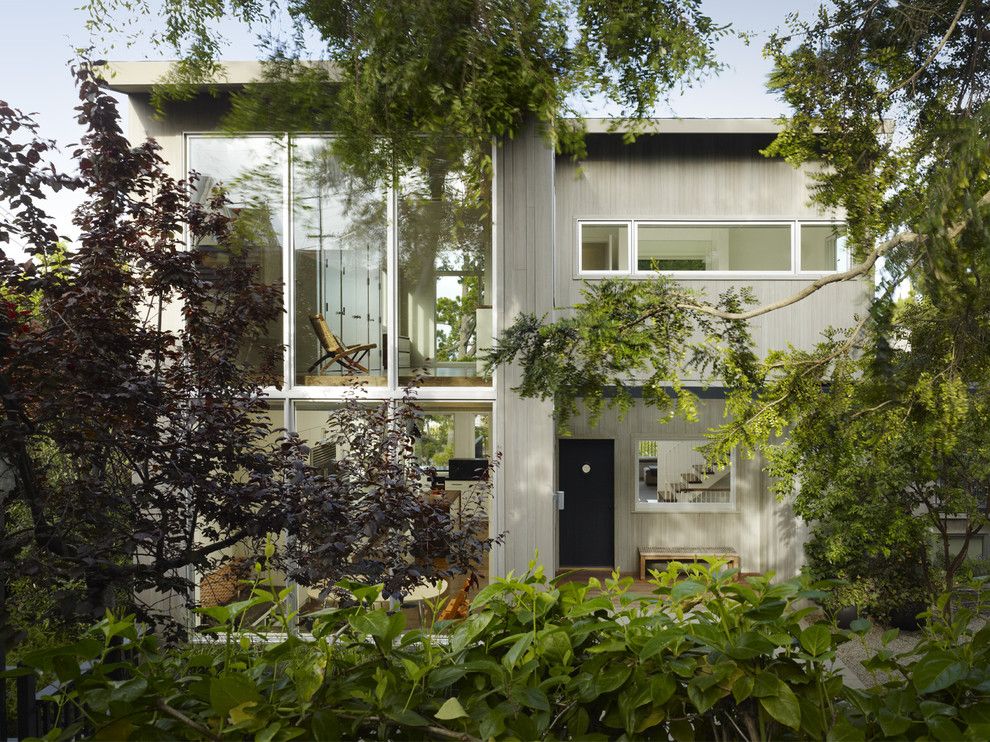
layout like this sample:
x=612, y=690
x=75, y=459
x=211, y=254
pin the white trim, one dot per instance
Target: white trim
x=633, y=271
x=837, y=224
x=641, y=508
x=581, y=223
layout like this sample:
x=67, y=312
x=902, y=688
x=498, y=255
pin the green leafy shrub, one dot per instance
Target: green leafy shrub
x=705, y=656
x=940, y=689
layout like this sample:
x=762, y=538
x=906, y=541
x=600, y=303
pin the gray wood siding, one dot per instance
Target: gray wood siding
x=764, y=532
x=699, y=177
x=524, y=427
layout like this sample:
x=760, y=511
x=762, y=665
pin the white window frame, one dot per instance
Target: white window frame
x=582, y=223
x=635, y=272
x=680, y=507
x=819, y=223
x=290, y=391
x=702, y=275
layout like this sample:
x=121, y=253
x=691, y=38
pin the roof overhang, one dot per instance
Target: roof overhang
x=684, y=126
x=142, y=77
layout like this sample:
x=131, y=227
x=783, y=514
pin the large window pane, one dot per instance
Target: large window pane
x=823, y=248
x=339, y=232
x=737, y=247
x=226, y=580
x=604, y=247
x=674, y=473
x=445, y=280
x=250, y=172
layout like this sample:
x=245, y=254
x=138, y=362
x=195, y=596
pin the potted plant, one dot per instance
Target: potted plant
x=849, y=601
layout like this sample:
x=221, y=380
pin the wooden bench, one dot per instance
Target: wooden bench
x=685, y=554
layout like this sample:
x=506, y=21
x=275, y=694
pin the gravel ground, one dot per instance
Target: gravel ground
x=852, y=653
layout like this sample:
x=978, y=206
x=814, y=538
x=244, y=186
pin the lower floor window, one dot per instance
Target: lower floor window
x=672, y=474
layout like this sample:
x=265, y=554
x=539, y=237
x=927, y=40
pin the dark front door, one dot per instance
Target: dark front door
x=586, y=473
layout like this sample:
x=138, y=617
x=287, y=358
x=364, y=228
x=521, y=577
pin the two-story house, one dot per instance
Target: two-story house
x=400, y=271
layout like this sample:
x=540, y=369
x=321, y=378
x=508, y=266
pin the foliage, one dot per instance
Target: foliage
x=372, y=518
x=408, y=80
x=627, y=334
x=706, y=656
x=141, y=447
x=937, y=690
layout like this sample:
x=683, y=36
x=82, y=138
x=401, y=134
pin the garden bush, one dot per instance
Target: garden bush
x=706, y=656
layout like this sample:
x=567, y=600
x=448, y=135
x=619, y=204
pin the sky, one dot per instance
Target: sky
x=39, y=37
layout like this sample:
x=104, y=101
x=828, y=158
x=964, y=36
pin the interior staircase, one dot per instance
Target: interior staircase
x=700, y=484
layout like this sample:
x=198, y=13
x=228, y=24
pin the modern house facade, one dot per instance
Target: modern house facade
x=399, y=272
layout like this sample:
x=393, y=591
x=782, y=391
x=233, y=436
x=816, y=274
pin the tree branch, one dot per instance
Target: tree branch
x=202, y=729
x=930, y=58
x=855, y=272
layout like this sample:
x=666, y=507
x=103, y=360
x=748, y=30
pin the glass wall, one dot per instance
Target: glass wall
x=445, y=280
x=340, y=240
x=416, y=253
x=250, y=172
x=674, y=473
x=823, y=248
x=226, y=581
x=700, y=247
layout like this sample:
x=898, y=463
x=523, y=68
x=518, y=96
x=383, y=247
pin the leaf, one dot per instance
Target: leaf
x=530, y=697
x=228, y=691
x=406, y=717
x=129, y=690
x=241, y=712
x=816, y=639
x=783, y=707
x=892, y=723
x=451, y=709
x=942, y=728
x=516, y=651
x=750, y=644
x=444, y=676
x=937, y=671
x=742, y=688
x=686, y=589
x=860, y=626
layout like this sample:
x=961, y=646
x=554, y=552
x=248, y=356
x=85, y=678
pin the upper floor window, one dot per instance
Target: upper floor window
x=824, y=248
x=762, y=248
x=392, y=282
x=250, y=172
x=604, y=247
x=774, y=249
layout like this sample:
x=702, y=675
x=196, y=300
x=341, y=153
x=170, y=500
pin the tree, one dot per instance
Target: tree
x=140, y=449
x=411, y=79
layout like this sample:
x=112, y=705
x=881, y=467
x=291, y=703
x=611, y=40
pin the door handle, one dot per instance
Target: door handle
x=558, y=498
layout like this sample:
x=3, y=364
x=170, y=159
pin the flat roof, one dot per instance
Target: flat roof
x=685, y=126
x=141, y=77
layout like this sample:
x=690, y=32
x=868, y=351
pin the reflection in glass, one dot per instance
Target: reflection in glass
x=250, y=173
x=675, y=472
x=339, y=232
x=445, y=280
x=604, y=247
x=736, y=247
x=823, y=248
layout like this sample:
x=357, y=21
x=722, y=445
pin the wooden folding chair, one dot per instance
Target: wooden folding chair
x=349, y=357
